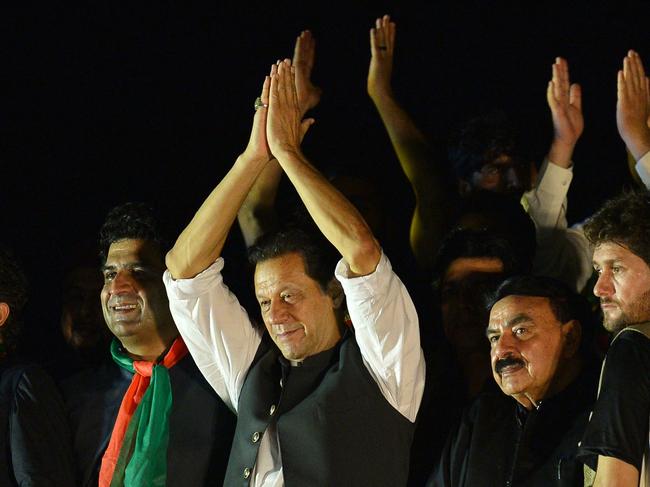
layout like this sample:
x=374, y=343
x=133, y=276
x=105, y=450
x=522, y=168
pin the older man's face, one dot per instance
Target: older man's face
x=527, y=343
x=623, y=286
x=297, y=313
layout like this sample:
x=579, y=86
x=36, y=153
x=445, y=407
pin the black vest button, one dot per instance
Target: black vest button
x=272, y=410
x=256, y=437
x=247, y=472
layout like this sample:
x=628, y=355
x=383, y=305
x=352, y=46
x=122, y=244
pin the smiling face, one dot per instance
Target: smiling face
x=298, y=314
x=133, y=298
x=623, y=286
x=527, y=346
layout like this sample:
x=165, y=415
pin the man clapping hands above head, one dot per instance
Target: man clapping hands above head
x=309, y=400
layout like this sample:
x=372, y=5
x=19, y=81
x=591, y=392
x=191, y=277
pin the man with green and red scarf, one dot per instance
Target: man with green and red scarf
x=134, y=419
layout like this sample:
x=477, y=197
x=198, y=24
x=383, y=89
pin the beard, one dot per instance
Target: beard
x=632, y=314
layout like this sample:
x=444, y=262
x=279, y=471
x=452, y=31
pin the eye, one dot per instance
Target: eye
x=519, y=332
x=617, y=269
x=265, y=304
x=109, y=276
x=598, y=270
x=493, y=339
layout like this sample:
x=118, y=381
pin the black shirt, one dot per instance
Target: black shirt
x=499, y=443
x=619, y=425
x=34, y=435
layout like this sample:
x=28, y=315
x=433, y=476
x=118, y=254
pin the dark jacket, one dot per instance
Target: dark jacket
x=200, y=425
x=499, y=443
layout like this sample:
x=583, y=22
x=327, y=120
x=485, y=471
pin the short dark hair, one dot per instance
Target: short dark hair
x=318, y=255
x=481, y=140
x=131, y=220
x=468, y=243
x=565, y=303
x=502, y=215
x=13, y=292
x=624, y=220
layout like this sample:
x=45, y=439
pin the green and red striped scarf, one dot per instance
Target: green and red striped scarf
x=137, y=451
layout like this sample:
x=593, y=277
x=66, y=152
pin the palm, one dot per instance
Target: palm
x=382, y=41
x=303, y=60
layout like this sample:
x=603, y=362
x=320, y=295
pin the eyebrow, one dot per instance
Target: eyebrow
x=130, y=265
x=520, y=318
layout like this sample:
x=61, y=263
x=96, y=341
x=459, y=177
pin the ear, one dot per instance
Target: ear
x=335, y=291
x=572, y=332
x=4, y=313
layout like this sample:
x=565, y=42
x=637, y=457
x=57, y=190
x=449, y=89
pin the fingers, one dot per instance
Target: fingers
x=265, y=90
x=304, y=51
x=304, y=127
x=632, y=82
x=560, y=80
x=382, y=36
x=575, y=96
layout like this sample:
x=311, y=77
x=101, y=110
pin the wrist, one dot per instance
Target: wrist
x=284, y=152
x=251, y=159
x=379, y=92
x=637, y=143
x=561, y=152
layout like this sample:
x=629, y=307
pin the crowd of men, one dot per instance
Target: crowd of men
x=350, y=375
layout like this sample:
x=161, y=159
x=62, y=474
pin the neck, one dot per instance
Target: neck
x=563, y=378
x=149, y=352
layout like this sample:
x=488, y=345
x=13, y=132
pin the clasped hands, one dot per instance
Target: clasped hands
x=278, y=127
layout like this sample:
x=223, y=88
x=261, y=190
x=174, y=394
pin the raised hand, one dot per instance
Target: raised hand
x=285, y=128
x=633, y=106
x=303, y=62
x=382, y=42
x=565, y=101
x=258, y=148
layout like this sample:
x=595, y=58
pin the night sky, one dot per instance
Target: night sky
x=152, y=101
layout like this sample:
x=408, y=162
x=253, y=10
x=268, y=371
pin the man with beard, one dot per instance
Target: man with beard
x=527, y=433
x=615, y=444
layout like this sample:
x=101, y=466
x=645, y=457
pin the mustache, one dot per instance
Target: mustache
x=608, y=301
x=506, y=362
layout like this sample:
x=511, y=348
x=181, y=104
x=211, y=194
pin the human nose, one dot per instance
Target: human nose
x=278, y=312
x=504, y=346
x=121, y=283
x=604, y=286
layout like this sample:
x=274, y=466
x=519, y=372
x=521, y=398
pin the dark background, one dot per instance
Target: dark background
x=111, y=101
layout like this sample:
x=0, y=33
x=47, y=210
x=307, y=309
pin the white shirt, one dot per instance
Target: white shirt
x=219, y=335
x=563, y=252
x=643, y=169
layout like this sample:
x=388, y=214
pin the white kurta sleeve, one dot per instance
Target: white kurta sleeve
x=216, y=329
x=387, y=332
x=643, y=169
x=562, y=252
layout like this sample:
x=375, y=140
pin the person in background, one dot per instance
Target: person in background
x=34, y=434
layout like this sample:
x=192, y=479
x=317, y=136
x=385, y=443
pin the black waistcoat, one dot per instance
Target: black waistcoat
x=334, y=425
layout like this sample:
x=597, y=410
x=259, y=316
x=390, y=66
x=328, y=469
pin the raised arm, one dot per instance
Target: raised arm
x=257, y=215
x=410, y=145
x=335, y=216
x=201, y=242
x=633, y=106
x=562, y=252
x=565, y=101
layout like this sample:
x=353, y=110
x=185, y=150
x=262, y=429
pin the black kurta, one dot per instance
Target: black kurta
x=499, y=443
